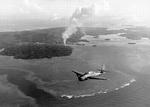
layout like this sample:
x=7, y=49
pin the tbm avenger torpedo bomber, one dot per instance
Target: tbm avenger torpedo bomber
x=91, y=74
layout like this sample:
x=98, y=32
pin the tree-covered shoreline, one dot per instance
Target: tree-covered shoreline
x=36, y=51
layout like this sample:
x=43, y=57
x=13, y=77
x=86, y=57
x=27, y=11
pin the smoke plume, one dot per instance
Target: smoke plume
x=76, y=21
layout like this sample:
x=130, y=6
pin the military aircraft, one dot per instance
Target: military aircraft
x=91, y=74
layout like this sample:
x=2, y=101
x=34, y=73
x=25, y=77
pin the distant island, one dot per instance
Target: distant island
x=36, y=51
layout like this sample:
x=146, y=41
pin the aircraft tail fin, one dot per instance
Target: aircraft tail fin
x=102, y=69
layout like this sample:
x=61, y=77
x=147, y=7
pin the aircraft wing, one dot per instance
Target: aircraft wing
x=98, y=78
x=77, y=72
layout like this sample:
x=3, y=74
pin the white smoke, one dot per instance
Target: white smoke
x=76, y=21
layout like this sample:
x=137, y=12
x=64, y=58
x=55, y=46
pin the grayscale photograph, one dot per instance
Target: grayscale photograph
x=74, y=53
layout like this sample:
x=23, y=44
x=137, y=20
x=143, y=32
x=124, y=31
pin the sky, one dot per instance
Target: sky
x=54, y=12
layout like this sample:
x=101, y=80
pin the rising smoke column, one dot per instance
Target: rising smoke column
x=77, y=20
x=71, y=29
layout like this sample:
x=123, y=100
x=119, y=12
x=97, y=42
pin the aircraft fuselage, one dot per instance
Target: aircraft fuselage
x=89, y=74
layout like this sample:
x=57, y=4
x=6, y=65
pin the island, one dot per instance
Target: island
x=36, y=51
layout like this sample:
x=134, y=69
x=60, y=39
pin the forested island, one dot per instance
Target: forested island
x=36, y=51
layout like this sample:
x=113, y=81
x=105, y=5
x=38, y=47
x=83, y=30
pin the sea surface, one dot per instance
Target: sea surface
x=50, y=82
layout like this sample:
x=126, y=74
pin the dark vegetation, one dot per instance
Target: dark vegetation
x=36, y=51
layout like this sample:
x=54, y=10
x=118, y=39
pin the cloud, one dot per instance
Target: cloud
x=33, y=5
x=89, y=12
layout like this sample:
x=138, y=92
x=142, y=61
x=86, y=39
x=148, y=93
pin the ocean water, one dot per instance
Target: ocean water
x=50, y=82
